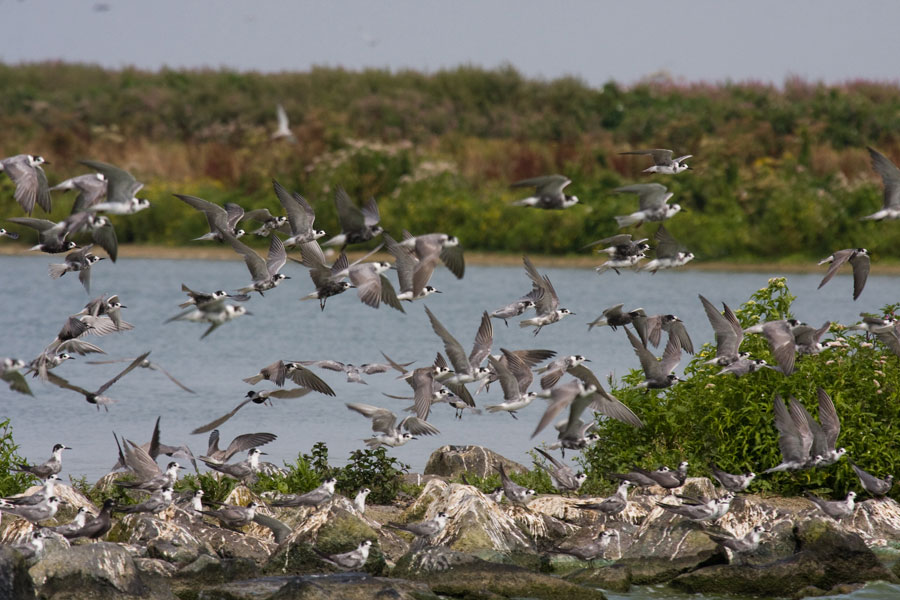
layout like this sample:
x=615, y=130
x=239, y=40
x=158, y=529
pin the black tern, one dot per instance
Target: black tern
x=468, y=368
x=31, y=181
x=890, y=177
x=222, y=220
x=121, y=188
x=548, y=192
x=732, y=483
x=269, y=222
x=200, y=299
x=636, y=478
x=744, y=366
x=650, y=328
x=354, y=372
x=372, y=287
x=555, y=370
x=514, y=492
x=729, y=333
x=233, y=517
x=91, y=189
x=148, y=476
x=33, y=513
x=264, y=272
x=657, y=373
x=347, y=561
x=388, y=431
x=612, y=505
x=238, y=444
x=513, y=309
x=105, y=307
x=807, y=339
x=836, y=509
x=244, y=471
x=589, y=551
x=424, y=529
x=52, y=466
x=698, y=511
x=530, y=358
x=357, y=225
x=446, y=247
x=669, y=252
x=826, y=432
x=515, y=378
x=652, y=201
x=300, y=217
x=748, y=543
x=546, y=302
x=666, y=477
x=281, y=370
x=74, y=525
x=214, y=312
x=97, y=398
x=96, y=527
x=155, y=447
x=51, y=236
x=47, y=490
x=145, y=364
x=795, y=438
x=10, y=372
x=327, y=280
x=858, y=259
x=256, y=398
x=412, y=274
x=780, y=336
x=615, y=317
x=875, y=486
x=283, y=132
x=316, y=497
x=80, y=261
x=101, y=229
x=33, y=546
x=359, y=501
x=158, y=501
x=565, y=478
x=663, y=163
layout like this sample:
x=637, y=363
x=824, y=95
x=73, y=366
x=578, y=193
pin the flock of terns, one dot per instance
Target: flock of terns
x=805, y=443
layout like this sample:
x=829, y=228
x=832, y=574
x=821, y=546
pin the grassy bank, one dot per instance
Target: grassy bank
x=778, y=171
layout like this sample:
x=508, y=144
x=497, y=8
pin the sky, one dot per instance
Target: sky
x=597, y=41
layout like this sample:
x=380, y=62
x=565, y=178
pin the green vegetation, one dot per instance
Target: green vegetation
x=729, y=420
x=439, y=151
x=11, y=482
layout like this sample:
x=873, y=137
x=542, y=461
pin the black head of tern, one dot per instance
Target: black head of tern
x=425, y=529
x=836, y=509
x=31, y=181
x=52, y=466
x=348, y=561
x=732, y=483
x=388, y=431
x=97, y=398
x=663, y=163
x=234, y=517
x=357, y=225
x=241, y=443
x=244, y=471
x=546, y=302
x=858, y=259
x=51, y=236
x=653, y=198
x=657, y=373
x=890, y=177
x=221, y=220
x=91, y=189
x=300, y=217
x=283, y=132
x=315, y=497
x=10, y=234
x=121, y=188
x=264, y=272
x=359, y=501
x=327, y=280
x=446, y=247
x=279, y=371
x=875, y=486
x=612, y=505
x=548, y=192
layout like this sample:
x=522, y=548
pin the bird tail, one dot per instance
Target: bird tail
x=626, y=220
x=57, y=270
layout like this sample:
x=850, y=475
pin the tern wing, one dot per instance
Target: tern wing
x=890, y=176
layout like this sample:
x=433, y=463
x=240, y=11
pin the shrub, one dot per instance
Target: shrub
x=729, y=420
x=11, y=482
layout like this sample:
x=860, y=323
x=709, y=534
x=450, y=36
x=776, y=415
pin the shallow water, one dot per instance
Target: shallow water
x=873, y=591
x=284, y=328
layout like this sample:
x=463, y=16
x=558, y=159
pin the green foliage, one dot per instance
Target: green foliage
x=215, y=486
x=11, y=482
x=729, y=420
x=373, y=469
x=439, y=151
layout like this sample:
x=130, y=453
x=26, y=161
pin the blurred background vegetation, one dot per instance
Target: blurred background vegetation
x=439, y=151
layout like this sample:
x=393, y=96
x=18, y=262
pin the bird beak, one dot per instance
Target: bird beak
x=287, y=277
x=587, y=360
x=249, y=313
x=266, y=453
x=46, y=162
x=438, y=292
x=67, y=448
x=122, y=306
x=180, y=467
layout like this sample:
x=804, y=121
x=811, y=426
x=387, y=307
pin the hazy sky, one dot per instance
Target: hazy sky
x=711, y=40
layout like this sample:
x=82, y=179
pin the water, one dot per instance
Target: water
x=284, y=328
x=874, y=591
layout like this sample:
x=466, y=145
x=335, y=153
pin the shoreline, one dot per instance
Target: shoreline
x=210, y=252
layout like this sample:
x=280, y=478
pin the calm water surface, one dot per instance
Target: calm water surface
x=282, y=327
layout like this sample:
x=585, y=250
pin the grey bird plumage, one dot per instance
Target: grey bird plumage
x=96, y=397
x=424, y=529
x=255, y=397
x=663, y=163
x=657, y=373
x=546, y=300
x=858, y=259
x=121, y=187
x=33, y=513
x=748, y=543
x=836, y=509
x=158, y=501
x=233, y=517
x=652, y=199
x=244, y=471
x=890, y=177
x=296, y=371
x=387, y=430
x=548, y=193
x=732, y=483
x=614, y=504
x=316, y=497
x=566, y=479
x=238, y=444
x=623, y=251
x=31, y=182
x=222, y=220
x=348, y=561
x=357, y=225
x=51, y=466
x=670, y=253
x=514, y=492
x=875, y=486
x=97, y=526
x=650, y=329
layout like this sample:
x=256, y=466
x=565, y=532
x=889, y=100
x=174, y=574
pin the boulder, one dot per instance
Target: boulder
x=827, y=556
x=457, y=574
x=341, y=586
x=164, y=538
x=15, y=582
x=451, y=461
x=102, y=570
x=614, y=578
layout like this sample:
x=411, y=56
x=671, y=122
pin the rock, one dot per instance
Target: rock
x=156, y=574
x=450, y=461
x=827, y=556
x=615, y=578
x=876, y=521
x=341, y=586
x=456, y=574
x=164, y=539
x=15, y=582
x=102, y=570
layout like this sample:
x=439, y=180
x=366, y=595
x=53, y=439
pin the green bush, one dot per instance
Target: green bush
x=729, y=420
x=11, y=482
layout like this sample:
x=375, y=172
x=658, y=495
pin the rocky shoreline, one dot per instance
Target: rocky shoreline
x=487, y=550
